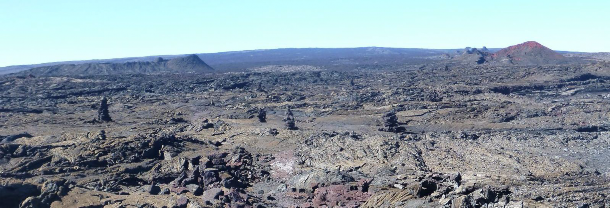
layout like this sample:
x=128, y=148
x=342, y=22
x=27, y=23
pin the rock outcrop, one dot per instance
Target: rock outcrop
x=473, y=56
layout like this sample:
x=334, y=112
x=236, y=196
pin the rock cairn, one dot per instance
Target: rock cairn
x=262, y=115
x=102, y=112
x=289, y=120
x=390, y=122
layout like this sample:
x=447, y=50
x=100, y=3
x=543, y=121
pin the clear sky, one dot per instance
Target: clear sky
x=37, y=31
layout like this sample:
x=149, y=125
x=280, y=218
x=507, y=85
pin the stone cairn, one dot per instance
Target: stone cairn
x=102, y=112
x=289, y=120
x=390, y=122
x=262, y=115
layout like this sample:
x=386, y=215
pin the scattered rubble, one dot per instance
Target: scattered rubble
x=378, y=131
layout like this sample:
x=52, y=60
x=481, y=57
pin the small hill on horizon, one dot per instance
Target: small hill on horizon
x=190, y=63
x=528, y=53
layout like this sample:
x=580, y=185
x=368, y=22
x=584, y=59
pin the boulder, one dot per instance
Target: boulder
x=212, y=195
x=195, y=189
x=181, y=202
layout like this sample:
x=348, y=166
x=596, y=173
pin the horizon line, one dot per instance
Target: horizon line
x=251, y=50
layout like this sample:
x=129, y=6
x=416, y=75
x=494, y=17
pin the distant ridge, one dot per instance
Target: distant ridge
x=190, y=63
x=243, y=60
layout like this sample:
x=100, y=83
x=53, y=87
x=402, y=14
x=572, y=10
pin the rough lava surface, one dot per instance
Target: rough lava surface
x=374, y=128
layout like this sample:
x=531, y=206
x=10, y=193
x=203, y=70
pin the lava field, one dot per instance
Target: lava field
x=372, y=127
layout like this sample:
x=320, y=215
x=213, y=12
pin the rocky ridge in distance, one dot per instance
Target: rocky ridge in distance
x=187, y=64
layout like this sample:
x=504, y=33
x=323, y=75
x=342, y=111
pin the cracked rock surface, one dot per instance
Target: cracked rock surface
x=431, y=134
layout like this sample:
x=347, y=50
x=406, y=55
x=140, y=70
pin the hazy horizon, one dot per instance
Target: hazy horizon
x=70, y=31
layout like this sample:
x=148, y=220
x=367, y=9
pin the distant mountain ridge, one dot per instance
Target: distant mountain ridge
x=190, y=63
x=243, y=60
x=252, y=58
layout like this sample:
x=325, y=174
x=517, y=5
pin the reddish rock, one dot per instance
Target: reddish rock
x=340, y=196
x=530, y=52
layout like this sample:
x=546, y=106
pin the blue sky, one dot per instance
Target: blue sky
x=36, y=31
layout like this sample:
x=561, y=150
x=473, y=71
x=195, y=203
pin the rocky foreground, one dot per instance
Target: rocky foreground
x=435, y=135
